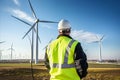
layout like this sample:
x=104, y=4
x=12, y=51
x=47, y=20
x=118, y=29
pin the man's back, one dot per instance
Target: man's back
x=61, y=58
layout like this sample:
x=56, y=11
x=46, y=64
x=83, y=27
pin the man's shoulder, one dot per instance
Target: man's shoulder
x=76, y=41
x=53, y=41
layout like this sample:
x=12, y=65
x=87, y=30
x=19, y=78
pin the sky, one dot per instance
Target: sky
x=90, y=20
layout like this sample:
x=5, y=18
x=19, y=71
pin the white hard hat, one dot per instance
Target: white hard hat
x=64, y=24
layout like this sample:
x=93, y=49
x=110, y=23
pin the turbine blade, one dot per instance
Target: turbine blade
x=94, y=41
x=47, y=44
x=39, y=39
x=21, y=20
x=29, y=40
x=29, y=30
x=2, y=42
x=34, y=15
x=47, y=21
x=45, y=47
x=50, y=41
x=97, y=36
x=102, y=37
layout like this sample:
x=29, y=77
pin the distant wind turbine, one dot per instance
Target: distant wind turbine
x=100, y=45
x=1, y=50
x=11, y=50
x=1, y=54
x=35, y=24
x=31, y=49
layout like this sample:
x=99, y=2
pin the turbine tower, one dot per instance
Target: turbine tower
x=34, y=27
x=100, y=43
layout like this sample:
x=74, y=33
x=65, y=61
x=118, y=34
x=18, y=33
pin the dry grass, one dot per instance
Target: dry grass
x=23, y=72
x=103, y=74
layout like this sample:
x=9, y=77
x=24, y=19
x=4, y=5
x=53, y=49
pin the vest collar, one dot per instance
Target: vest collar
x=64, y=35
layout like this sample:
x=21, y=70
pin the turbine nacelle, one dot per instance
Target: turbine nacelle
x=37, y=20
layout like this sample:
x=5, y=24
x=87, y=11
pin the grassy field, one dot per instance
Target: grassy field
x=22, y=71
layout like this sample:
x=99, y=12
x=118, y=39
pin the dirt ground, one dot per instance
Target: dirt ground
x=23, y=73
x=41, y=73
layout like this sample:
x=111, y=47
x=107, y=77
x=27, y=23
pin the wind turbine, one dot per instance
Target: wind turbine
x=32, y=42
x=11, y=49
x=100, y=45
x=35, y=25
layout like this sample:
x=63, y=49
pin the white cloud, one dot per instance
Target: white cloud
x=46, y=26
x=23, y=15
x=16, y=2
x=88, y=37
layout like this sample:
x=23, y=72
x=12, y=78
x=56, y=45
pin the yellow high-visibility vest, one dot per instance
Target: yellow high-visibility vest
x=60, y=53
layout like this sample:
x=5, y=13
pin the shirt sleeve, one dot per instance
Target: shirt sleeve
x=46, y=61
x=81, y=56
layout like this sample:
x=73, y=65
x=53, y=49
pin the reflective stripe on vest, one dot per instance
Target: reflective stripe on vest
x=65, y=64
